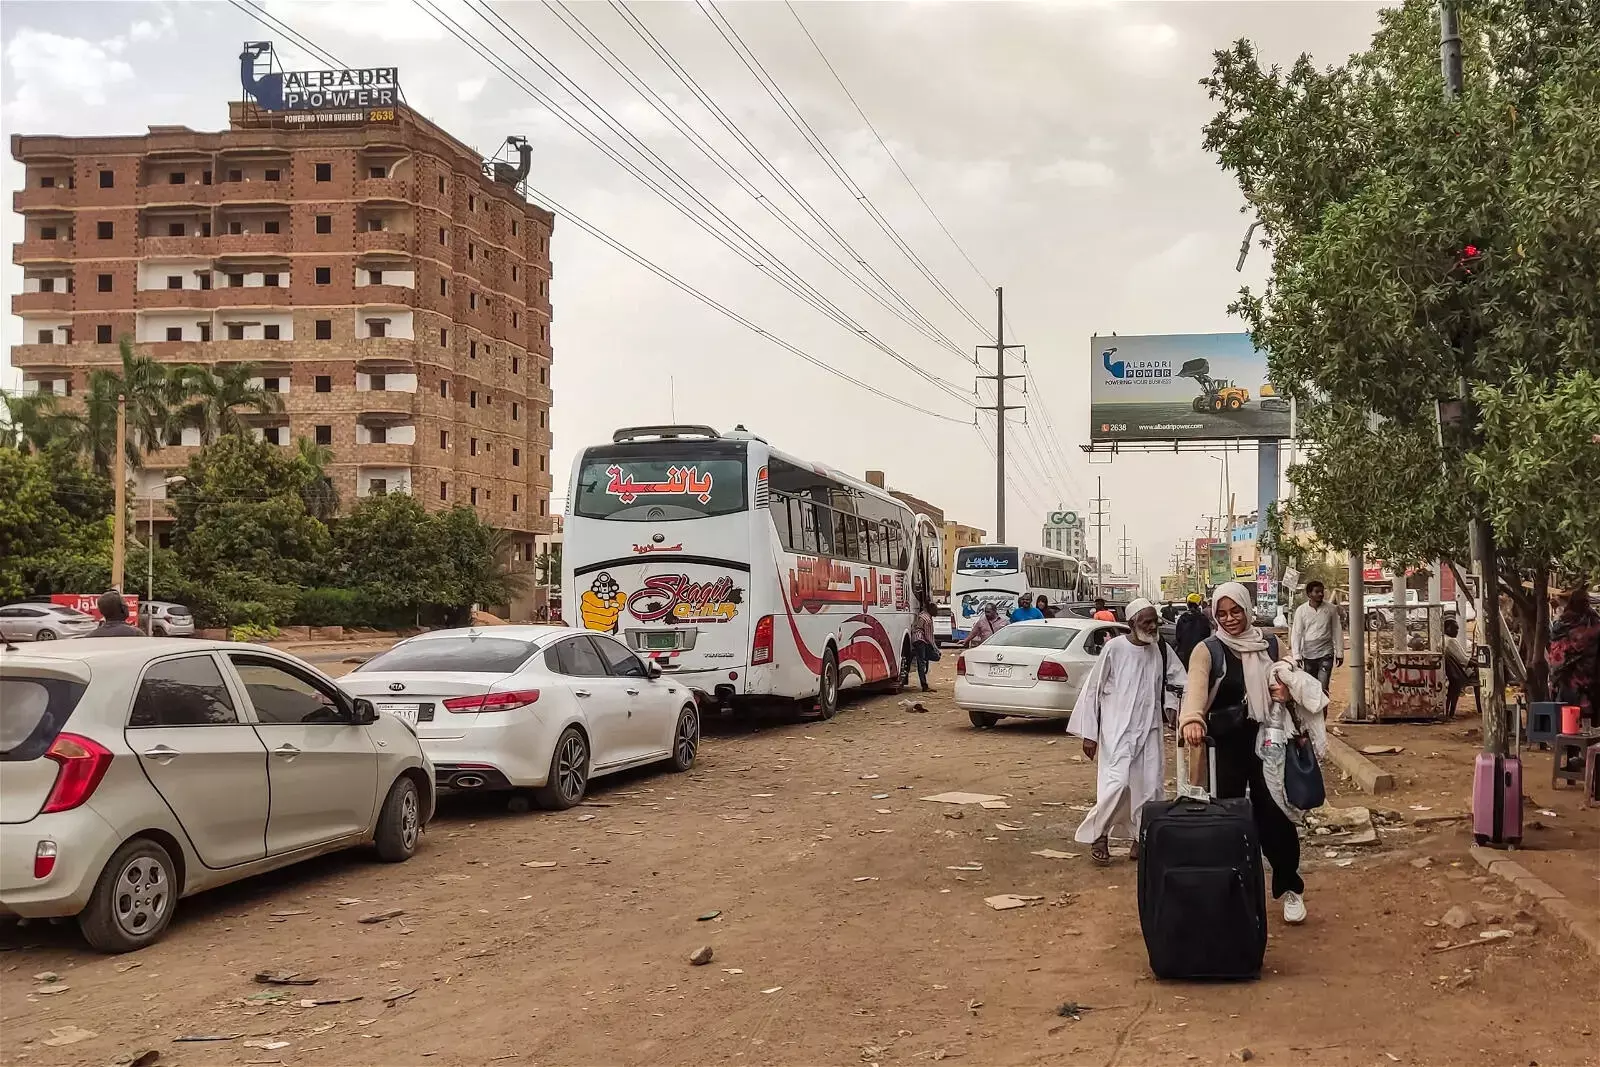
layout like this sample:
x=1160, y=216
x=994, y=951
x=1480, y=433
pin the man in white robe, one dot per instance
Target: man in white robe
x=1119, y=717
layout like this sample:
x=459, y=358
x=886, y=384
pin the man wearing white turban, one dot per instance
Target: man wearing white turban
x=1119, y=715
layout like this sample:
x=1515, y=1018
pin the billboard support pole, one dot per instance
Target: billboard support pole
x=1266, y=499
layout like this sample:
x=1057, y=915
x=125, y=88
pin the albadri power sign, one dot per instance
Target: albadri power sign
x=315, y=90
x=1182, y=387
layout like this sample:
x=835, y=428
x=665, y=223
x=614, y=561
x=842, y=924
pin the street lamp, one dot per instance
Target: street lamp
x=150, y=553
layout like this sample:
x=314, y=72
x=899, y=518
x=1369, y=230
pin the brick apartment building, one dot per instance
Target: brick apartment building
x=395, y=296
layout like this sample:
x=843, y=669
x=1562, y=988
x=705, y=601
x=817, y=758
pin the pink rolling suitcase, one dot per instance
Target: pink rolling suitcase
x=1497, y=794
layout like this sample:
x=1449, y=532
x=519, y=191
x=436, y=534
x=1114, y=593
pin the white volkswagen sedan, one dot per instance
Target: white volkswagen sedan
x=1030, y=670
x=540, y=708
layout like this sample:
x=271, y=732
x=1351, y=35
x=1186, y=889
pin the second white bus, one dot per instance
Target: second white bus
x=999, y=574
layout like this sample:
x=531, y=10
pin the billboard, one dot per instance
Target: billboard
x=1219, y=564
x=1182, y=387
x=366, y=95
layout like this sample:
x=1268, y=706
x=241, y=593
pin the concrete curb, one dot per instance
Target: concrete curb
x=1366, y=774
x=1548, y=897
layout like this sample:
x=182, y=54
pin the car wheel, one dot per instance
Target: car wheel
x=828, y=687
x=134, y=899
x=158, y=631
x=982, y=719
x=686, y=739
x=569, y=772
x=45, y=635
x=400, y=822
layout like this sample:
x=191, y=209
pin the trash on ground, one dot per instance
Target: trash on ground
x=732, y=970
x=868, y=777
x=701, y=956
x=381, y=916
x=880, y=796
x=398, y=994
x=1422, y=863
x=198, y=1038
x=47, y=976
x=345, y=902
x=51, y=989
x=1007, y=901
x=68, y=1035
x=320, y=1002
x=265, y=1043
x=1458, y=918
x=966, y=867
x=1052, y=854
x=283, y=978
x=865, y=878
x=774, y=989
x=959, y=797
x=540, y=865
x=1004, y=826
x=1382, y=750
x=884, y=811
x=708, y=916
x=994, y=804
x=1243, y=1055
x=625, y=833
x=586, y=817
x=1072, y=1010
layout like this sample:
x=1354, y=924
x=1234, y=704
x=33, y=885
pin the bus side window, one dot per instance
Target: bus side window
x=779, y=507
x=811, y=542
x=845, y=536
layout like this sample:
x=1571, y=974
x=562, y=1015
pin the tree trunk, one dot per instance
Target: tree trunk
x=1539, y=638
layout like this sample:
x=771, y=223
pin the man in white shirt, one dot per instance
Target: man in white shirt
x=1315, y=636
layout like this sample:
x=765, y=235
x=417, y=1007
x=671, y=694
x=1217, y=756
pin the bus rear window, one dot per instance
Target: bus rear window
x=656, y=487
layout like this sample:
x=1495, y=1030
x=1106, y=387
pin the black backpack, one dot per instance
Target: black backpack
x=1223, y=721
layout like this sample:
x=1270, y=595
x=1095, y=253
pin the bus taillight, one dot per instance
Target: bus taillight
x=761, y=648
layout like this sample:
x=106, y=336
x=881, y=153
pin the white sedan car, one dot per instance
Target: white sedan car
x=1030, y=670
x=541, y=708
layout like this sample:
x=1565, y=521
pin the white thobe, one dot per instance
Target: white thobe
x=1119, y=709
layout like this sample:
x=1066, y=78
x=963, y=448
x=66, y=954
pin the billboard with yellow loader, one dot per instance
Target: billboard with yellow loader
x=1182, y=387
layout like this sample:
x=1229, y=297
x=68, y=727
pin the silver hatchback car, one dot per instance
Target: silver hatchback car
x=160, y=618
x=137, y=771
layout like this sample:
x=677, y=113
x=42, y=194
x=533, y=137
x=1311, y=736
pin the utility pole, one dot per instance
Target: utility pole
x=999, y=377
x=1122, y=547
x=1481, y=533
x=1099, y=538
x=119, y=478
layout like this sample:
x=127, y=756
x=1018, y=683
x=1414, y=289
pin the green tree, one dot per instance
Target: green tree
x=1372, y=185
x=31, y=522
x=392, y=552
x=220, y=397
x=321, y=495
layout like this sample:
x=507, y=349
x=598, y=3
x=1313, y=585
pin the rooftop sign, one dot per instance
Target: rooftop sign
x=316, y=90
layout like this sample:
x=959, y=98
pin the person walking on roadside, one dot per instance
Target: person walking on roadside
x=1316, y=637
x=1119, y=715
x=1193, y=626
x=1025, y=611
x=985, y=627
x=1103, y=613
x=1230, y=700
x=924, y=646
x=114, y=618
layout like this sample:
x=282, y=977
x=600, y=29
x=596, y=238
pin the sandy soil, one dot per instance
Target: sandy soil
x=842, y=936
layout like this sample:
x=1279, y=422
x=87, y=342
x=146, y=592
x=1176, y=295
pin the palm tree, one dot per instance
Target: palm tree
x=32, y=421
x=221, y=395
x=320, y=494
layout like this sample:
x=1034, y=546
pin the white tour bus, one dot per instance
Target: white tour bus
x=744, y=572
x=998, y=574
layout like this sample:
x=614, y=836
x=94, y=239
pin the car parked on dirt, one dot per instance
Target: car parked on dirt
x=544, y=709
x=43, y=622
x=1030, y=670
x=161, y=618
x=137, y=772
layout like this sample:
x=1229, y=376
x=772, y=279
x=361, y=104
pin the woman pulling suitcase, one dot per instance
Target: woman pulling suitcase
x=1231, y=700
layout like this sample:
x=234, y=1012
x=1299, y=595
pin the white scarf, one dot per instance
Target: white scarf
x=1251, y=648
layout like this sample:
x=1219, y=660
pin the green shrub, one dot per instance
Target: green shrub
x=253, y=633
x=328, y=606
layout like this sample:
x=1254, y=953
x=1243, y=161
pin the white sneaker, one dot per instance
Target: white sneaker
x=1294, y=909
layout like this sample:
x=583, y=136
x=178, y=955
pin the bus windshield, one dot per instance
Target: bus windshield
x=987, y=561
x=661, y=481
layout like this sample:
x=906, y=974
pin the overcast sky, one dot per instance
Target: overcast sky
x=1059, y=143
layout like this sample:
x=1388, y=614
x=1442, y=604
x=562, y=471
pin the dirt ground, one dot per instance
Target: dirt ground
x=841, y=933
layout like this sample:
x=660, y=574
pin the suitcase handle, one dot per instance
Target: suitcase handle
x=1186, y=790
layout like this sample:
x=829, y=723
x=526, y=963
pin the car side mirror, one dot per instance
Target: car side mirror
x=652, y=669
x=366, y=713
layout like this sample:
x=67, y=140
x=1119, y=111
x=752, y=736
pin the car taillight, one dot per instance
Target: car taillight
x=1051, y=671
x=961, y=664
x=761, y=647
x=83, y=763
x=44, y=859
x=519, y=698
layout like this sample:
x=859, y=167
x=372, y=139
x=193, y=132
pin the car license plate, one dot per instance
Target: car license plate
x=408, y=712
x=661, y=642
x=999, y=670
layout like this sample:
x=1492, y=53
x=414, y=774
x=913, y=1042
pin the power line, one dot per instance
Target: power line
x=779, y=97
x=799, y=287
x=551, y=204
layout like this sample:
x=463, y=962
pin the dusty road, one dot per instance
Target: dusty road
x=843, y=935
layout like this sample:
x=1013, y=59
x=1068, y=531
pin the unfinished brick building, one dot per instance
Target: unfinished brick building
x=397, y=297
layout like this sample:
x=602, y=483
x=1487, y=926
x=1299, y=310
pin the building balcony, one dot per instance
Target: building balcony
x=199, y=299
x=384, y=402
x=390, y=242
x=252, y=244
x=380, y=455
x=31, y=357
x=381, y=406
x=381, y=295
x=24, y=303
x=395, y=189
x=251, y=296
x=186, y=195
x=36, y=250
x=55, y=198
x=186, y=246
x=540, y=394
x=262, y=192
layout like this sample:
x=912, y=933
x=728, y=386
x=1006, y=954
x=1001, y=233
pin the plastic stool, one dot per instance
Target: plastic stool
x=1544, y=722
x=1570, y=757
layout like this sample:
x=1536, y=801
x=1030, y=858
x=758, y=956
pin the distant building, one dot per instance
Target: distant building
x=1066, y=531
x=957, y=536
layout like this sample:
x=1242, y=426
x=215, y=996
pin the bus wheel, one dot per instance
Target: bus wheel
x=828, y=691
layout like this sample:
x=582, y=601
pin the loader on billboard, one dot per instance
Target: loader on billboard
x=1182, y=387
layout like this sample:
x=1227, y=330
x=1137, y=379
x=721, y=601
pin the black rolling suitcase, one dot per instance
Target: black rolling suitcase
x=1202, y=897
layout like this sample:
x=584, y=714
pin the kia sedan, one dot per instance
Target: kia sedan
x=138, y=771
x=1030, y=670
x=539, y=708
x=43, y=622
